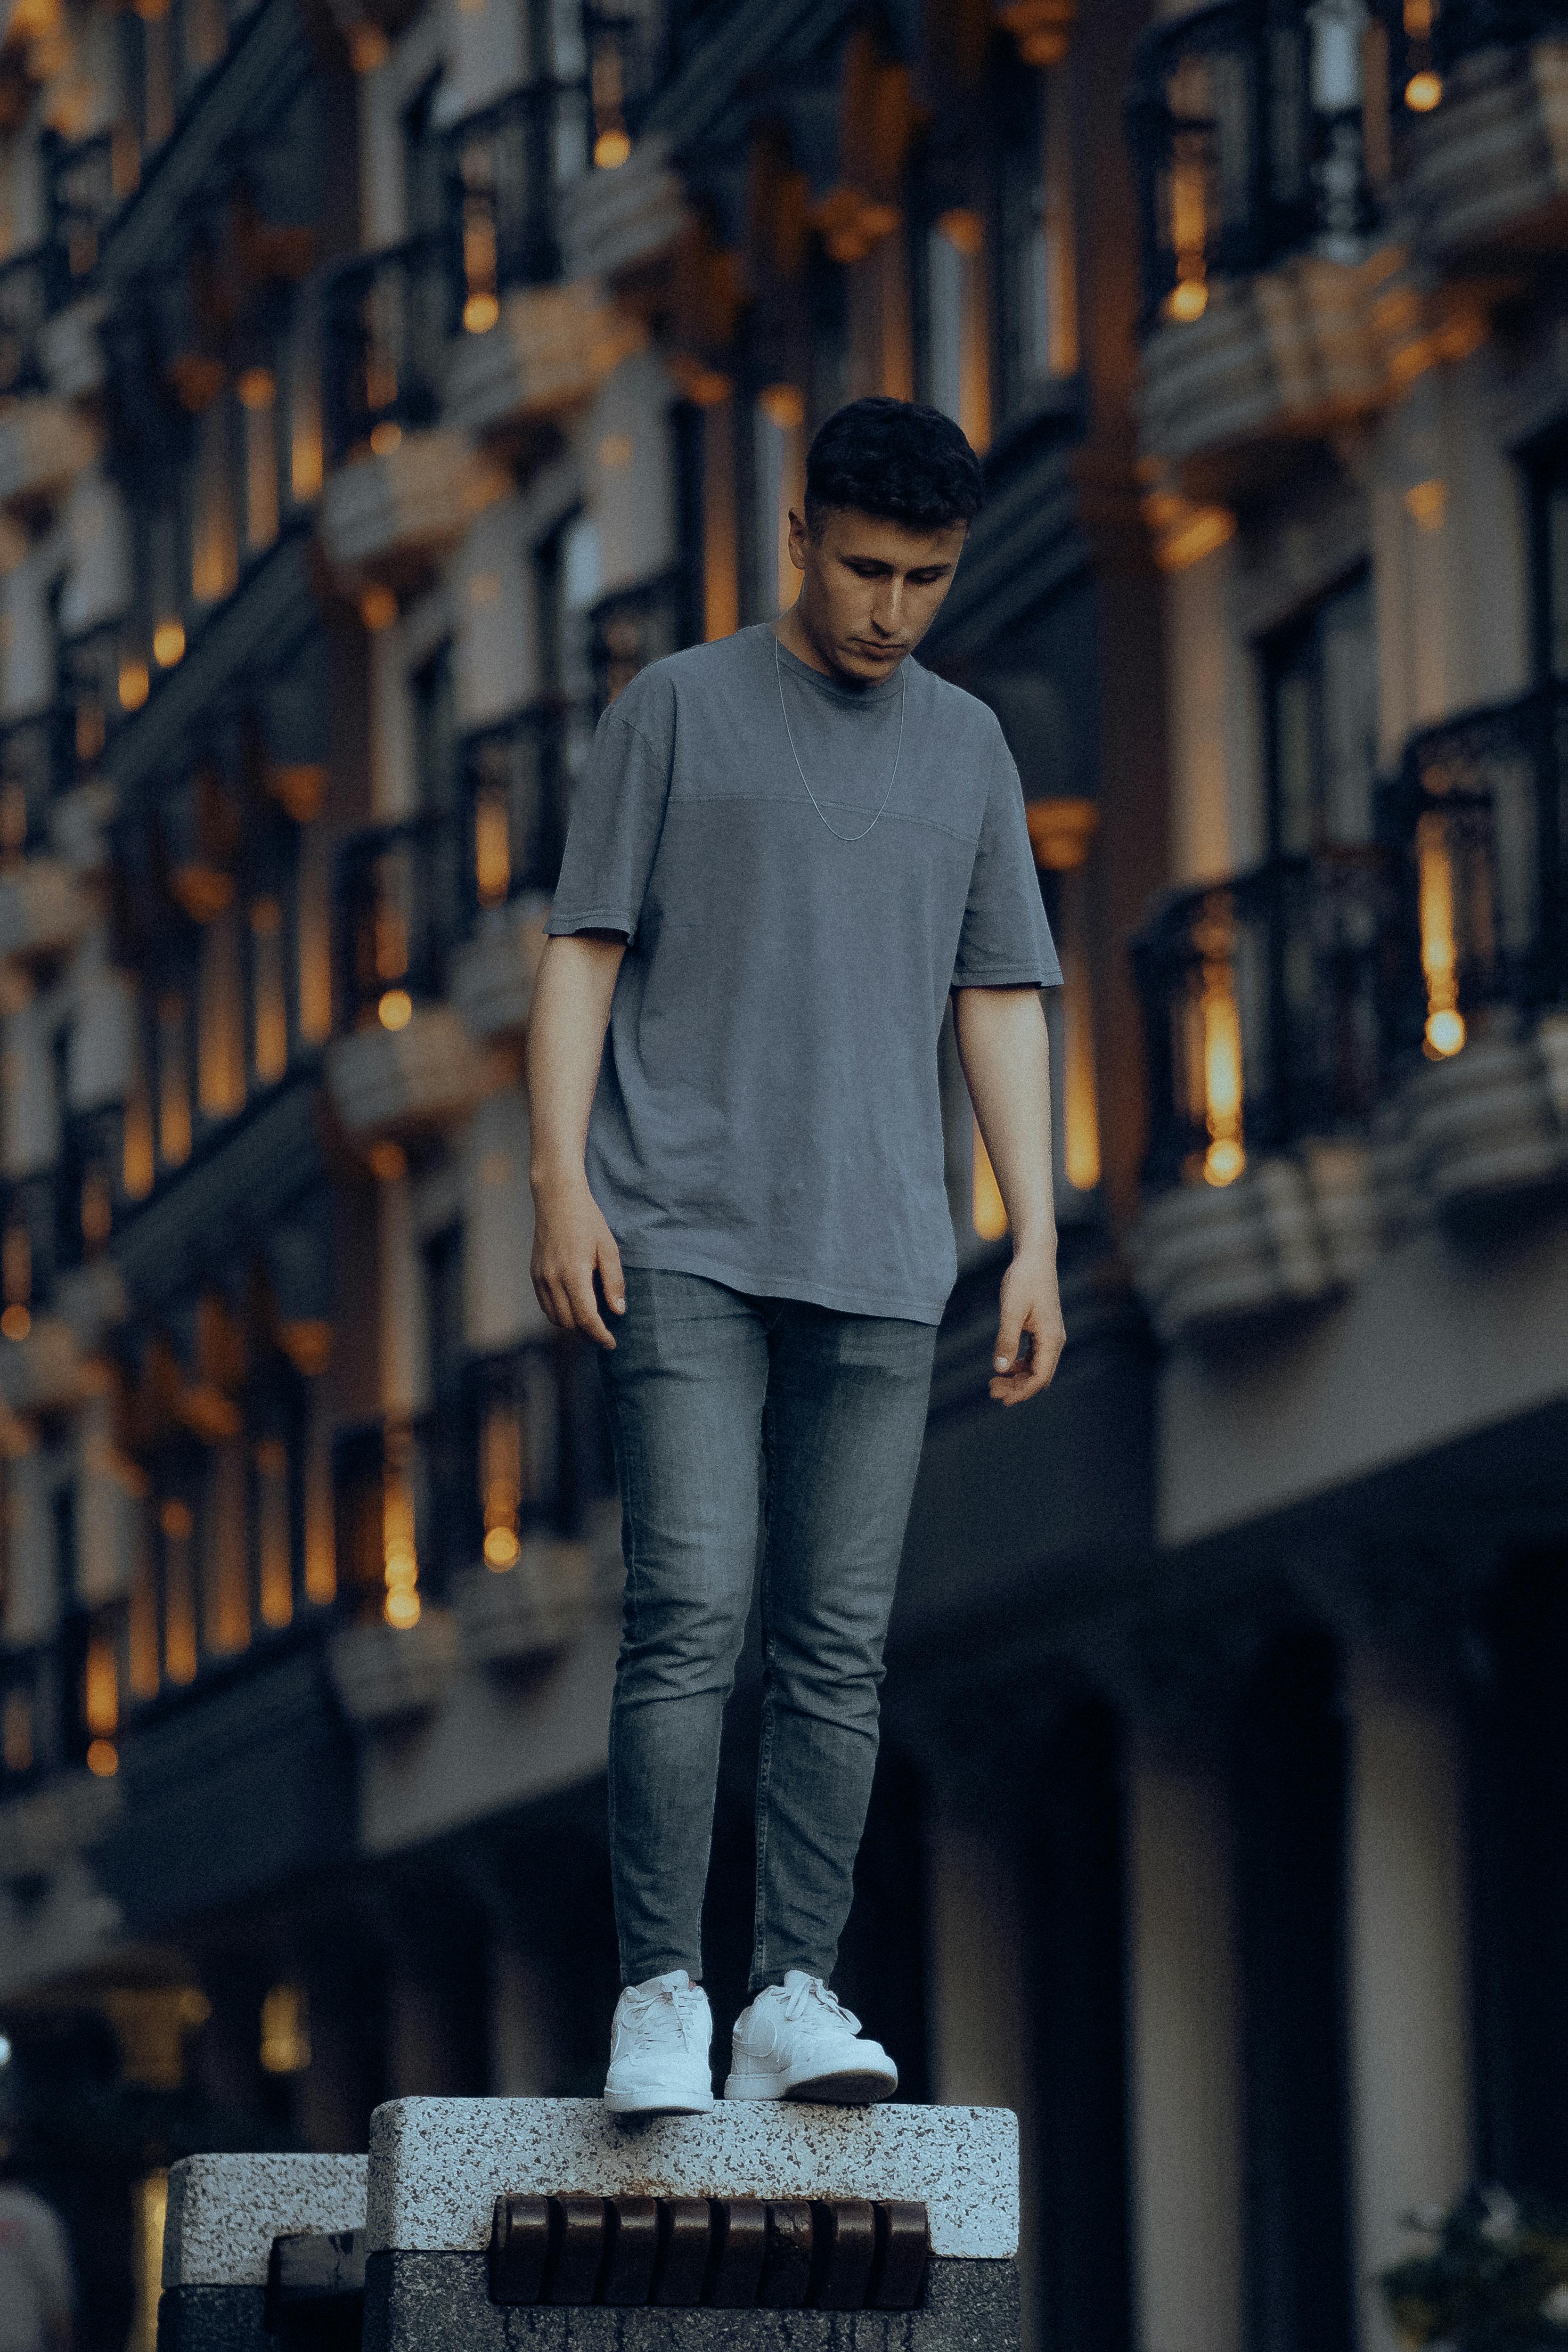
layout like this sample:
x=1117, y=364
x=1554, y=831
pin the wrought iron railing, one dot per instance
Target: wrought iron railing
x=397, y=907
x=386, y=317
x=37, y=763
x=507, y=167
x=1249, y=143
x=1264, y=1005
x=516, y=780
x=1480, y=825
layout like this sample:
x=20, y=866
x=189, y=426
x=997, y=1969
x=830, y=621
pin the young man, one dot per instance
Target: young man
x=788, y=849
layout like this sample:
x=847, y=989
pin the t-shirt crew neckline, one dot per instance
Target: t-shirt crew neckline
x=854, y=698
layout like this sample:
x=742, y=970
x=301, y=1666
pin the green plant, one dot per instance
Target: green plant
x=1495, y=2278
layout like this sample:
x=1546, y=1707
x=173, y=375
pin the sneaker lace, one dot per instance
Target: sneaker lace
x=680, y=2005
x=812, y=1995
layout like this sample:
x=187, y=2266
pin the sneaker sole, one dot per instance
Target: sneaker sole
x=658, y=2102
x=848, y=2087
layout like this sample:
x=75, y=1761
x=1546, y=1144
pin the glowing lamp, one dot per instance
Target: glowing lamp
x=395, y=1010
x=1223, y=1162
x=480, y=312
x=15, y=1323
x=502, y=1549
x=1187, y=301
x=610, y=148
x=1423, y=91
x=402, y=1608
x=1445, y=1035
x=102, y=1759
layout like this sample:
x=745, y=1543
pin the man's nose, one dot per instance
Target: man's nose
x=889, y=605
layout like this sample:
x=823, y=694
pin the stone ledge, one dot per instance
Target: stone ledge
x=439, y=2165
x=225, y=2211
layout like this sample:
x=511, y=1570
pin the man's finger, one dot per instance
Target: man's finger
x=586, y=1313
x=610, y=1274
x=1009, y=1332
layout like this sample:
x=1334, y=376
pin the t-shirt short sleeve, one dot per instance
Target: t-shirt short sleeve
x=1006, y=941
x=617, y=812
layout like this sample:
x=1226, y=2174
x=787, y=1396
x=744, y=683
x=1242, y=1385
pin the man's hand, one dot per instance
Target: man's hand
x=1032, y=1303
x=571, y=1242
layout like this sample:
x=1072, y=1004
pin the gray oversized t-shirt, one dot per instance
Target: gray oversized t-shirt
x=768, y=1111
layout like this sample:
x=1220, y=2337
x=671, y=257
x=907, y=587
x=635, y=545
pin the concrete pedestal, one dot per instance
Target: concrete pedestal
x=437, y=2167
x=224, y=2213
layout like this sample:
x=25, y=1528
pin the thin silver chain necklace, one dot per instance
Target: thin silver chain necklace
x=833, y=829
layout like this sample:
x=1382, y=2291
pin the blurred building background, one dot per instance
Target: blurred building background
x=382, y=385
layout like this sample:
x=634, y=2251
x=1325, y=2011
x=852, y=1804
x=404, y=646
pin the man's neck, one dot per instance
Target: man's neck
x=794, y=633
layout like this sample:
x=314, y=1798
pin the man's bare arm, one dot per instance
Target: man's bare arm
x=566, y=1027
x=1005, y=1051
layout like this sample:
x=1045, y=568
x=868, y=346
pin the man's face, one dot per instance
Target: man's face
x=871, y=588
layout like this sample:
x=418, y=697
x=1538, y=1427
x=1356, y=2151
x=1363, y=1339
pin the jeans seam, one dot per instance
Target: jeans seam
x=765, y=1736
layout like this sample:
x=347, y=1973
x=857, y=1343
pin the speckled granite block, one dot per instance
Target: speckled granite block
x=223, y=2215
x=439, y=2303
x=225, y=2211
x=437, y=2166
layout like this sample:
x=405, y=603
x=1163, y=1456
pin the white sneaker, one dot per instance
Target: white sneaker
x=797, y=2041
x=658, y=2050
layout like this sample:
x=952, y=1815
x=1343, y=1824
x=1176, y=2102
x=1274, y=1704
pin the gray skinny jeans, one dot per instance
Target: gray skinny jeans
x=706, y=1387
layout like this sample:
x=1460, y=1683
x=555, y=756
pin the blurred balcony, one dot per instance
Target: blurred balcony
x=1483, y=951
x=405, y=1060
x=45, y=442
x=515, y=785
x=1263, y=1001
x=404, y=488
x=1272, y=308
x=1486, y=100
x=525, y=1584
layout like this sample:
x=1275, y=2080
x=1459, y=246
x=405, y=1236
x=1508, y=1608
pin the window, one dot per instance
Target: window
x=1322, y=681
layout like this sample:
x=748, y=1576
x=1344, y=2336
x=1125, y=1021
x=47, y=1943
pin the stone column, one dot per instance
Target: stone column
x=1184, y=2061
x=1409, y=1978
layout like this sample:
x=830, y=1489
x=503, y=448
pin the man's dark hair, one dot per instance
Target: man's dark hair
x=895, y=459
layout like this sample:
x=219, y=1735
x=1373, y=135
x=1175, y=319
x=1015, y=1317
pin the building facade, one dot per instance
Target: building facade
x=382, y=388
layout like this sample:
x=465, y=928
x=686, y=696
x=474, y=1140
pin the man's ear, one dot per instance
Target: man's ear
x=798, y=535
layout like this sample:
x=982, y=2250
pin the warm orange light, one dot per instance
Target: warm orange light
x=258, y=387
x=385, y=437
x=492, y=848
x=1187, y=301
x=1224, y=1159
x=102, y=1759
x=395, y=1010
x=402, y=1608
x=1445, y=1033
x=15, y=1322
x=378, y=607
x=610, y=148
x=400, y=1555
x=100, y=1687
x=134, y=685
x=1080, y=1106
x=480, y=312
x=1423, y=91
x=168, y=644
x=502, y=1549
